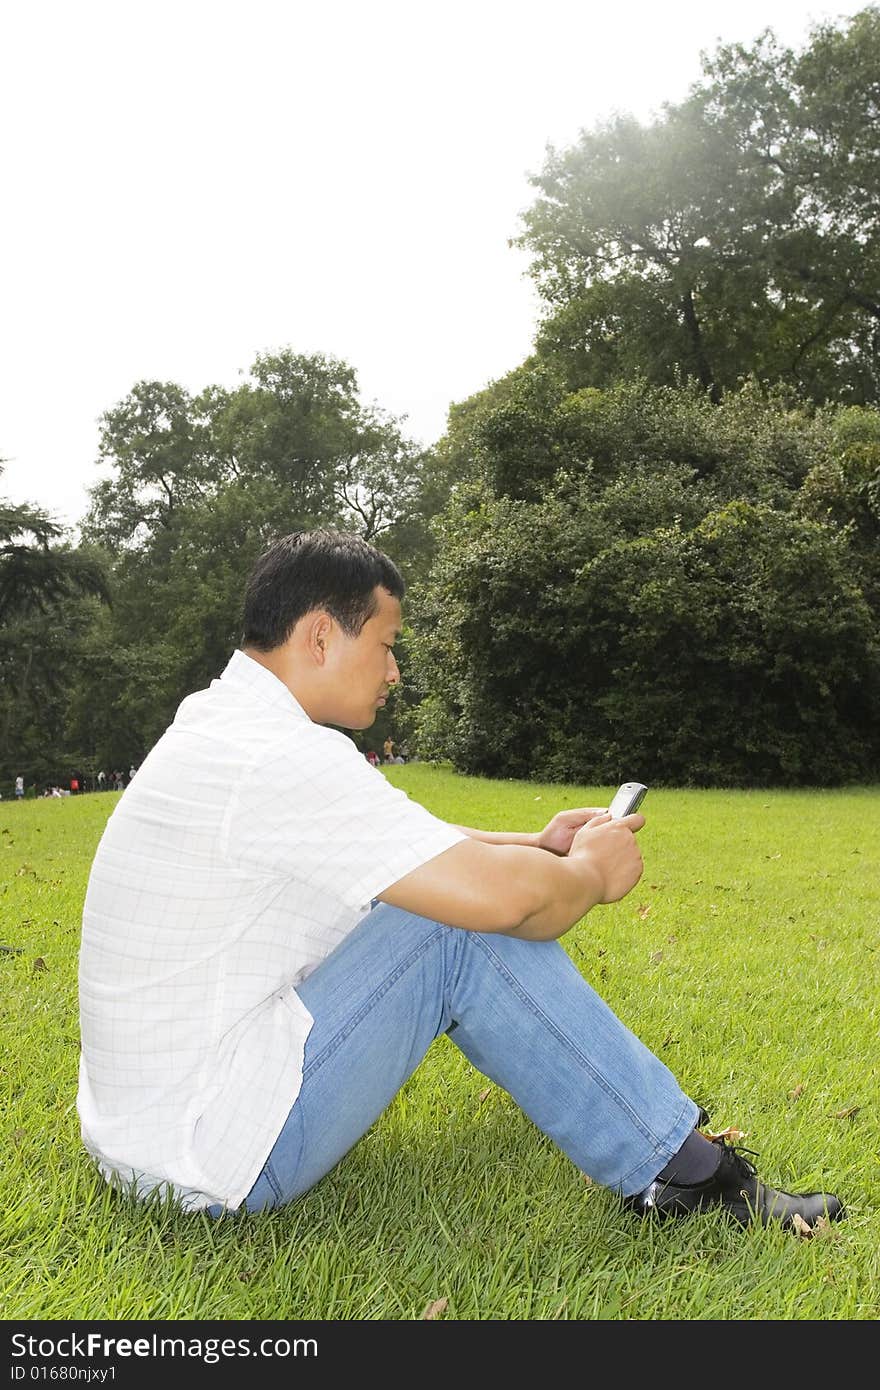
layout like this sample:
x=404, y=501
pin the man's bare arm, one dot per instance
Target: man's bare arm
x=528, y=838
x=518, y=890
x=557, y=835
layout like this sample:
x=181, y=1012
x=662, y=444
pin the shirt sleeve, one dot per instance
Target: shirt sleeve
x=317, y=812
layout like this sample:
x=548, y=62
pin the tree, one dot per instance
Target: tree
x=157, y=441
x=49, y=593
x=200, y=485
x=734, y=236
x=34, y=573
x=295, y=432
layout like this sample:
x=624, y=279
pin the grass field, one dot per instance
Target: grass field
x=747, y=957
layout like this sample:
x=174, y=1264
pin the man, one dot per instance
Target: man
x=273, y=936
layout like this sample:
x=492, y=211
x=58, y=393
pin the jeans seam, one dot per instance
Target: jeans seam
x=339, y=1037
x=481, y=942
x=269, y=1175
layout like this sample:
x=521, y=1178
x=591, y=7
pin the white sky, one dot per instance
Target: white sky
x=187, y=184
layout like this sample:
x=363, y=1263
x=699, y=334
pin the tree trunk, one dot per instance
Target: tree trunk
x=692, y=323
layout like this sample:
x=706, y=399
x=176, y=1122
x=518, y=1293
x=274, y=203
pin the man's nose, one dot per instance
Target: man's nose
x=393, y=676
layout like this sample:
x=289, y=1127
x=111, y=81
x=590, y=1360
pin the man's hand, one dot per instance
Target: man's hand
x=490, y=883
x=558, y=833
x=609, y=846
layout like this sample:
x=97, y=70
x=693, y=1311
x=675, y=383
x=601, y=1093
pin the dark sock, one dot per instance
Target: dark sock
x=695, y=1162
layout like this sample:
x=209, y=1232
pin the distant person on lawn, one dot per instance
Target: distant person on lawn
x=273, y=936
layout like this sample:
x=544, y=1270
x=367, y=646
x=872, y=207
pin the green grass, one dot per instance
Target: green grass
x=747, y=957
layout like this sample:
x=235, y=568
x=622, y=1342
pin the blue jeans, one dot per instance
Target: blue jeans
x=520, y=1011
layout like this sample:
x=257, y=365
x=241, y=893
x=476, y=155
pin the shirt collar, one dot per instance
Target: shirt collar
x=242, y=670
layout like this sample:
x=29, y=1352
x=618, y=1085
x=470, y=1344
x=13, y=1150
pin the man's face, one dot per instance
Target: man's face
x=362, y=668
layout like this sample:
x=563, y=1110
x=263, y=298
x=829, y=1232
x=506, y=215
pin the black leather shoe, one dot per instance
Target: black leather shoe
x=737, y=1189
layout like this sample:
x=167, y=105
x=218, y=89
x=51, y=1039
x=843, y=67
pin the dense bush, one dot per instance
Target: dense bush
x=665, y=604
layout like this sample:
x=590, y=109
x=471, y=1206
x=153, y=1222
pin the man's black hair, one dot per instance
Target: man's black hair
x=334, y=570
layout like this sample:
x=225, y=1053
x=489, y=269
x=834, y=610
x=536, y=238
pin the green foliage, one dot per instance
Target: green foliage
x=36, y=574
x=49, y=595
x=666, y=604
x=741, y=653
x=754, y=443
x=843, y=490
x=735, y=236
x=41, y=657
x=200, y=486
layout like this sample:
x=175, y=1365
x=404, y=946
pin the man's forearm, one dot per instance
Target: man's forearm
x=503, y=837
x=500, y=888
x=535, y=895
x=570, y=890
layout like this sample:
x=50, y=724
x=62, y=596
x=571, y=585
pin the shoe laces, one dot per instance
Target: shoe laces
x=744, y=1169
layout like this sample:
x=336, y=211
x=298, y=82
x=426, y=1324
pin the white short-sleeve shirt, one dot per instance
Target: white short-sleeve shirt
x=249, y=844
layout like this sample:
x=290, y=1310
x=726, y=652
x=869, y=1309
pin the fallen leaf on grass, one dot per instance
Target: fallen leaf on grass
x=487, y=1091
x=797, y=1092
x=588, y=1181
x=847, y=1113
x=39, y=964
x=643, y=909
x=434, y=1309
x=731, y=1133
x=824, y=1227
x=656, y=957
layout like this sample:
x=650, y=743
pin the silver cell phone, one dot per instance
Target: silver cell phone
x=628, y=798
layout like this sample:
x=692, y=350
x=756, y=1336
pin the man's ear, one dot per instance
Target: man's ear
x=318, y=635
